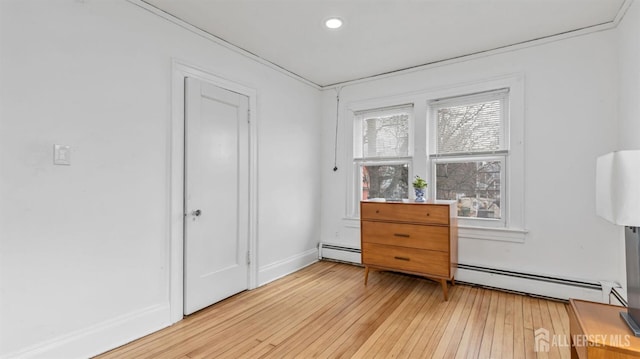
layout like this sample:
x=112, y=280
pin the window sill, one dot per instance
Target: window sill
x=493, y=234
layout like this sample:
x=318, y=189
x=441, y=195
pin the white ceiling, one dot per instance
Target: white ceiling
x=381, y=36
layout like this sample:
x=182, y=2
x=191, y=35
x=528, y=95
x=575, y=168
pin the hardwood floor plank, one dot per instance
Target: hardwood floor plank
x=554, y=352
x=394, y=326
x=529, y=352
x=215, y=315
x=448, y=333
x=560, y=330
x=473, y=327
x=368, y=317
x=413, y=332
x=527, y=313
x=434, y=295
x=325, y=311
x=366, y=326
x=297, y=338
x=487, y=335
x=518, y=328
x=536, y=317
x=433, y=331
x=508, y=339
x=498, y=331
x=472, y=338
x=559, y=317
x=261, y=328
x=458, y=331
x=248, y=319
x=277, y=330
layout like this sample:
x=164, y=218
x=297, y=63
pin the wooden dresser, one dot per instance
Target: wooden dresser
x=414, y=238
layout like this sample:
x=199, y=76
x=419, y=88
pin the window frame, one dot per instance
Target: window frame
x=501, y=94
x=501, y=154
x=421, y=146
x=354, y=194
x=361, y=115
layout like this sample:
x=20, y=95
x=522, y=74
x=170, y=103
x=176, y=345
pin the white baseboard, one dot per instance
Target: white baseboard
x=101, y=337
x=281, y=268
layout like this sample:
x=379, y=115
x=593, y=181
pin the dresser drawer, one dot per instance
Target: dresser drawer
x=403, y=212
x=406, y=235
x=406, y=259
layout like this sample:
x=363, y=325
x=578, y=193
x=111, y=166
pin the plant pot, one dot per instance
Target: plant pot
x=419, y=194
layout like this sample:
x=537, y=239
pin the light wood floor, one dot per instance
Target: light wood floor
x=325, y=311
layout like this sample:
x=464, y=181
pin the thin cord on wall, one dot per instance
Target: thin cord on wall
x=335, y=145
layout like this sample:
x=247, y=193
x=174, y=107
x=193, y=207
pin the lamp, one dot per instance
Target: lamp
x=618, y=201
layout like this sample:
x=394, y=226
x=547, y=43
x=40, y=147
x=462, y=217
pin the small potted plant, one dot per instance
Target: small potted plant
x=420, y=185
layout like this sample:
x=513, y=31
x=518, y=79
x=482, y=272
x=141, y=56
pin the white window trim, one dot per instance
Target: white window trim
x=359, y=115
x=354, y=188
x=514, y=162
x=515, y=226
x=492, y=234
x=434, y=104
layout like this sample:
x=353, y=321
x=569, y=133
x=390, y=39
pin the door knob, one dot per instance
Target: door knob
x=197, y=213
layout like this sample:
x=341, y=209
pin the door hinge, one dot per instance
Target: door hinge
x=248, y=116
x=248, y=257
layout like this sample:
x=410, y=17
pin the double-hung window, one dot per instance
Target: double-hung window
x=382, y=153
x=470, y=149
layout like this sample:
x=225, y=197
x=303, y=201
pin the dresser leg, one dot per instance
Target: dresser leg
x=444, y=289
x=366, y=274
x=453, y=281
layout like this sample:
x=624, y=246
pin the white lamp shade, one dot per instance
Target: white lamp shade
x=618, y=187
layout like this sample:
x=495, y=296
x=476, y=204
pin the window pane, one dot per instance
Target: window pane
x=470, y=127
x=474, y=184
x=385, y=136
x=385, y=181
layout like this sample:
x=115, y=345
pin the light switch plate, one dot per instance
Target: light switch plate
x=61, y=155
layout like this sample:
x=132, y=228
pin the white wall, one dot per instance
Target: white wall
x=629, y=74
x=84, y=249
x=628, y=32
x=570, y=118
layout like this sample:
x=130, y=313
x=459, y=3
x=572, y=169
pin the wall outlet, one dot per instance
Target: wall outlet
x=62, y=155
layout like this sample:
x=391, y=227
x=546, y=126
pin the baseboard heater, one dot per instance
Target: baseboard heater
x=481, y=276
x=550, y=287
x=617, y=296
x=339, y=248
x=339, y=253
x=541, y=278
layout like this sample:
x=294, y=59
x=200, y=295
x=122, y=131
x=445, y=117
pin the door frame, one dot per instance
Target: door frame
x=180, y=70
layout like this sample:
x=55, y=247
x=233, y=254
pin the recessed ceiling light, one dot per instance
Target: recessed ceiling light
x=333, y=23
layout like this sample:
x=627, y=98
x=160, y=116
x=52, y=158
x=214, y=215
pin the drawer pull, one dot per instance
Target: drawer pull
x=402, y=258
x=428, y=214
x=401, y=235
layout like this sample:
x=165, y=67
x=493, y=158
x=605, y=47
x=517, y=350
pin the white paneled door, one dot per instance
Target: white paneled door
x=216, y=225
